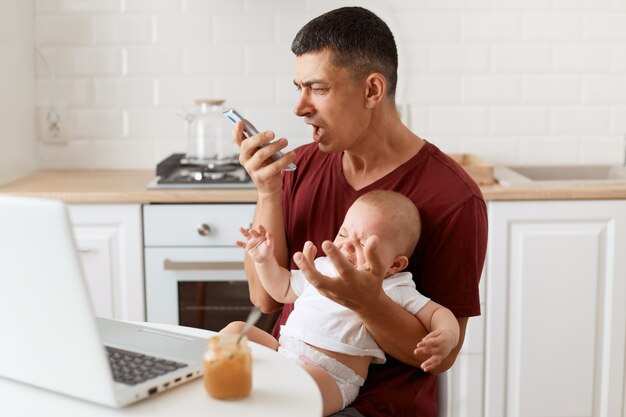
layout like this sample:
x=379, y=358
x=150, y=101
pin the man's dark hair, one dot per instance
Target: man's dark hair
x=360, y=41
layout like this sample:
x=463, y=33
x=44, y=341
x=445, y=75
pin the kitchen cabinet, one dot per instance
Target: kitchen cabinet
x=555, y=309
x=466, y=378
x=108, y=237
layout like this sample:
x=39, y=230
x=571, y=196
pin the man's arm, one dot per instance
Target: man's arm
x=266, y=175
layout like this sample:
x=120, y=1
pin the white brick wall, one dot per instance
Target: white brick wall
x=515, y=81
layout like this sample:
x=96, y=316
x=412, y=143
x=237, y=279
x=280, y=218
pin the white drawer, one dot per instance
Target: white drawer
x=180, y=224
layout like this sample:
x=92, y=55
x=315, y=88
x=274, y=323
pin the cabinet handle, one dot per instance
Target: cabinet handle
x=84, y=250
x=187, y=266
x=204, y=229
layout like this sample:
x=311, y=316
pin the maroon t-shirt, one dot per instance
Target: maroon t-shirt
x=446, y=264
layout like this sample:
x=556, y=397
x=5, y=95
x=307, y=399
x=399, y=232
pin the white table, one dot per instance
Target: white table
x=279, y=388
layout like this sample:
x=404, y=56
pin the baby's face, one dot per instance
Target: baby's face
x=361, y=222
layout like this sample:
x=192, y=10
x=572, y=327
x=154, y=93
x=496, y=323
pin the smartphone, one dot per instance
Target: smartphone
x=250, y=130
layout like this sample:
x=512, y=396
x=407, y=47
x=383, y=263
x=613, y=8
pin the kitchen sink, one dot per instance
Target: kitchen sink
x=560, y=175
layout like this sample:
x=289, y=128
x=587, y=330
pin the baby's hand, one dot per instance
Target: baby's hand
x=437, y=345
x=259, y=243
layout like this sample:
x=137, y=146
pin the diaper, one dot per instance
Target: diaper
x=348, y=381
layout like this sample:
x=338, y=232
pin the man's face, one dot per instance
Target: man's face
x=331, y=101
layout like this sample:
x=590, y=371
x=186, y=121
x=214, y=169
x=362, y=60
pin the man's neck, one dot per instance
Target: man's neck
x=388, y=145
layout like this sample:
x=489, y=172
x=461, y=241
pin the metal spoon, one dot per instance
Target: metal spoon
x=253, y=317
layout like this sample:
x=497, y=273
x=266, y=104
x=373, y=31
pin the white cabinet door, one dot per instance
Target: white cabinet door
x=108, y=237
x=555, y=309
x=466, y=377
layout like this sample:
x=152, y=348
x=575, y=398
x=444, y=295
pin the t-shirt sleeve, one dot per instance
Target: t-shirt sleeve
x=401, y=289
x=297, y=281
x=453, y=259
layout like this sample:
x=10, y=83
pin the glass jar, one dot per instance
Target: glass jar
x=207, y=138
x=228, y=367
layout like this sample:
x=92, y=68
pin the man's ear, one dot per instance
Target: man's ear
x=399, y=264
x=375, y=89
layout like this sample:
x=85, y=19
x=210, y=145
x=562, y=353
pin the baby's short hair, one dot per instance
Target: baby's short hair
x=402, y=214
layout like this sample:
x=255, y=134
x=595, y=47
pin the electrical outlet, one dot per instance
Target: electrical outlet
x=52, y=124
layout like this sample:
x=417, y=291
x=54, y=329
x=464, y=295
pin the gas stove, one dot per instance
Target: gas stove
x=179, y=171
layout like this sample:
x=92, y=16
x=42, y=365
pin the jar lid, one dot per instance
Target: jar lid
x=210, y=101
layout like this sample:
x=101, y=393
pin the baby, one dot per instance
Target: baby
x=327, y=339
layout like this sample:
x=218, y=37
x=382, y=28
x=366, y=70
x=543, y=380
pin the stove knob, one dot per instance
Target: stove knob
x=204, y=230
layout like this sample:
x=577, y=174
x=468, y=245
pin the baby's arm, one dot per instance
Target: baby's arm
x=443, y=336
x=274, y=278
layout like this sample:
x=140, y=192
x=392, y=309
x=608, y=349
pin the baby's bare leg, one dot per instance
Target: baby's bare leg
x=331, y=396
x=255, y=334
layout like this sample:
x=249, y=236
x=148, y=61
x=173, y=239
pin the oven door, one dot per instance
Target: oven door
x=198, y=287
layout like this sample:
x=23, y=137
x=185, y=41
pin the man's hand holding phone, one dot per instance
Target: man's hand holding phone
x=249, y=131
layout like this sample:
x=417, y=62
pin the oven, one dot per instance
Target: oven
x=194, y=270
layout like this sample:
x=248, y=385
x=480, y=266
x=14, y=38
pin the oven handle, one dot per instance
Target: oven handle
x=188, y=266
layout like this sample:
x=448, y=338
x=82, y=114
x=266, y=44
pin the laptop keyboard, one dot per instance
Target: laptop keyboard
x=133, y=368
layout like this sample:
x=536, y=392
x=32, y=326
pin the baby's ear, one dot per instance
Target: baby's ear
x=399, y=263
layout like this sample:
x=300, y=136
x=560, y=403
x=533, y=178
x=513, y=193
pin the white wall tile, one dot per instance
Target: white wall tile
x=115, y=29
x=609, y=27
x=154, y=60
x=76, y=154
x=276, y=6
x=123, y=154
x=249, y=90
x=604, y=89
x=553, y=26
x=583, y=5
x=519, y=119
x=522, y=5
x=288, y=25
x=498, y=149
x=619, y=58
x=492, y=27
x=579, y=120
x=457, y=120
x=81, y=61
x=229, y=29
x=602, y=150
x=582, y=58
x=618, y=120
x=491, y=89
x=556, y=89
x=155, y=123
x=73, y=6
x=459, y=59
x=63, y=30
x=92, y=124
x=182, y=91
x=429, y=89
x=124, y=92
x=522, y=58
x=212, y=60
x=77, y=92
x=152, y=6
x=183, y=29
x=271, y=59
x=212, y=6
x=547, y=150
x=430, y=27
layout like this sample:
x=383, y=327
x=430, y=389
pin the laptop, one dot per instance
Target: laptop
x=50, y=336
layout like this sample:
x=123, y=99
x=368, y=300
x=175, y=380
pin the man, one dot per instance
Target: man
x=346, y=72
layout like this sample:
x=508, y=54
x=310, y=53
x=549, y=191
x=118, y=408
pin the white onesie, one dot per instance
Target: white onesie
x=321, y=322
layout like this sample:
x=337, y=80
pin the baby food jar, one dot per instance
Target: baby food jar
x=228, y=367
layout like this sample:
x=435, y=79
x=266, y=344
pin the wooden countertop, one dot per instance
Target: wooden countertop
x=117, y=186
